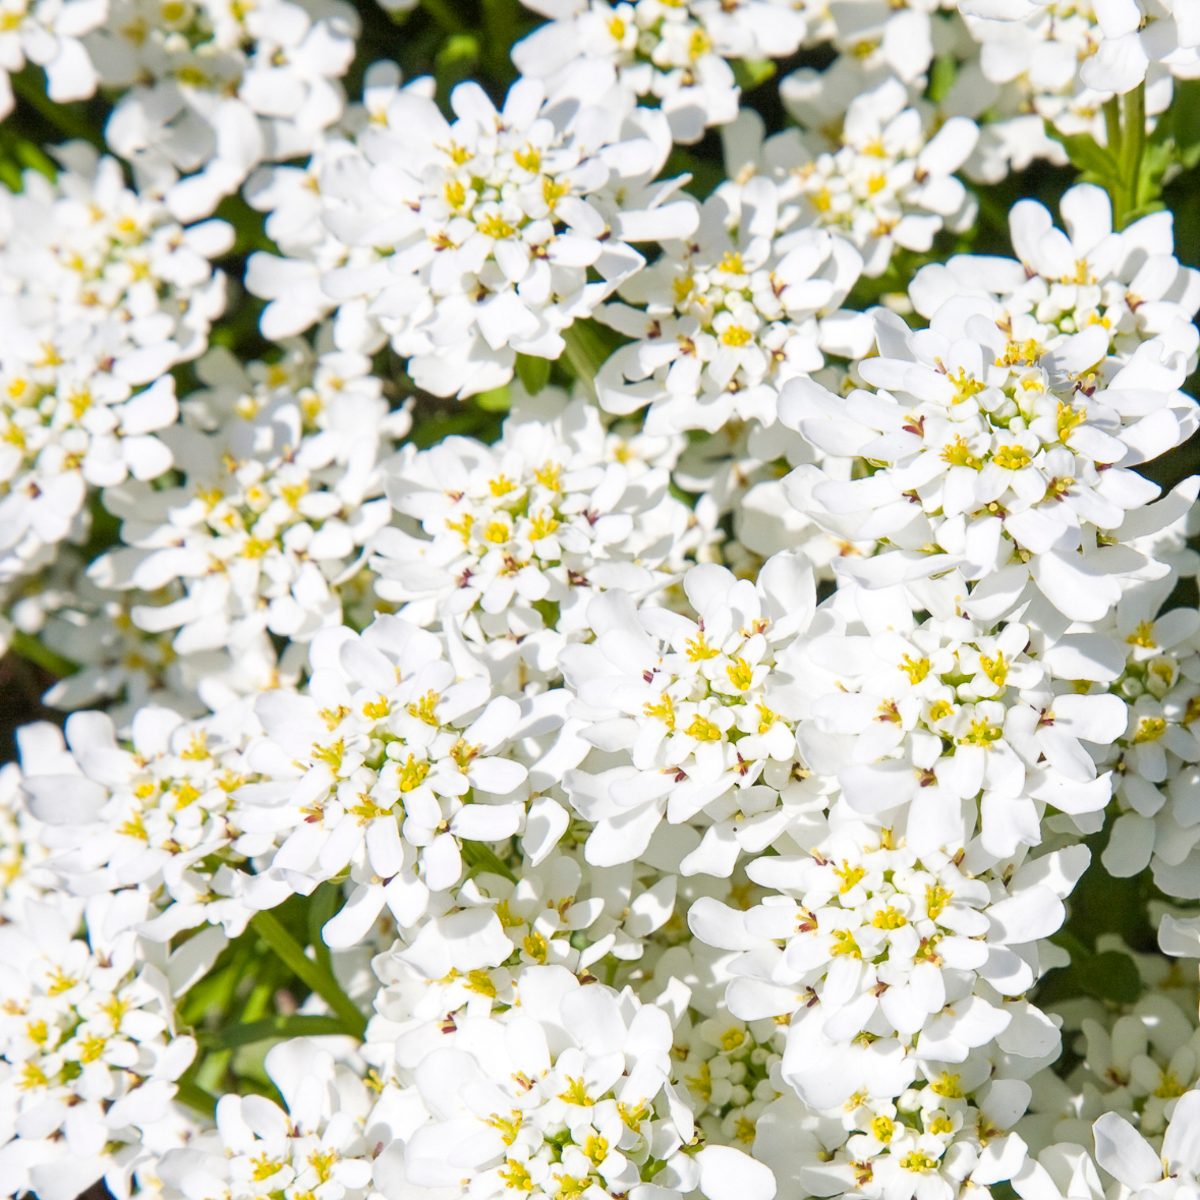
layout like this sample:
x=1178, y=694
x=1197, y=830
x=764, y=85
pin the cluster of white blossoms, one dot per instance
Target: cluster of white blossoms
x=91, y=1052
x=514, y=539
x=205, y=90
x=676, y=53
x=281, y=492
x=466, y=243
x=644, y=658
x=1115, y=44
x=102, y=292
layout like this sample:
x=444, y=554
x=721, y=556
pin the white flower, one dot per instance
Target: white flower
x=488, y=236
x=1006, y=451
x=948, y=1131
x=89, y=1051
x=318, y=1145
x=154, y=817
x=1137, y=1167
x=1130, y=283
x=672, y=52
x=915, y=950
x=103, y=293
x=388, y=764
x=725, y=317
x=566, y=1093
x=519, y=536
x=49, y=33
x=274, y=509
x=215, y=88
x=700, y=718
x=879, y=175
x=1126, y=36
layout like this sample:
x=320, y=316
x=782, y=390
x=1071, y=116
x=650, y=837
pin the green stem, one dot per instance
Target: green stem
x=1112, y=125
x=1134, y=143
x=59, y=115
x=195, y=1097
x=311, y=973
x=321, y=909
x=443, y=14
x=30, y=648
x=248, y=1032
x=1125, y=123
x=500, y=18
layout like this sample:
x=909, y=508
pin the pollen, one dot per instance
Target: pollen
x=741, y=674
x=850, y=876
x=844, y=944
x=412, y=774
x=698, y=649
x=1150, y=729
x=1012, y=458
x=663, y=711
x=889, y=918
x=703, y=730
x=936, y=899
x=1143, y=636
x=996, y=669
x=958, y=454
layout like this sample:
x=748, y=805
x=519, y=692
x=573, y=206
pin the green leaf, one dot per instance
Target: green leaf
x=1087, y=154
x=195, y=1097
x=29, y=155
x=750, y=72
x=497, y=400
x=942, y=77
x=589, y=345
x=30, y=648
x=30, y=87
x=550, y=611
x=269, y=928
x=481, y=857
x=321, y=909
x=1180, y=124
x=246, y=1033
x=534, y=373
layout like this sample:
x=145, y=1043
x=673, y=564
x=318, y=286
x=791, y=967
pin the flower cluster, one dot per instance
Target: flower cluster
x=516, y=538
x=103, y=292
x=469, y=242
x=676, y=53
x=651, y=651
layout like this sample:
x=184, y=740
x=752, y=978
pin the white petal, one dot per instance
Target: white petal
x=728, y=1174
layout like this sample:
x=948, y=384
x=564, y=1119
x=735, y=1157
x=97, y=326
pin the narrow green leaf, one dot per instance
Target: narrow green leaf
x=751, y=72
x=534, y=373
x=30, y=648
x=481, y=857
x=311, y=973
x=589, y=345
x=321, y=909
x=497, y=400
x=443, y=14
x=942, y=77
x=248, y=1032
x=195, y=1097
x=1086, y=153
x=30, y=87
x=29, y=155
